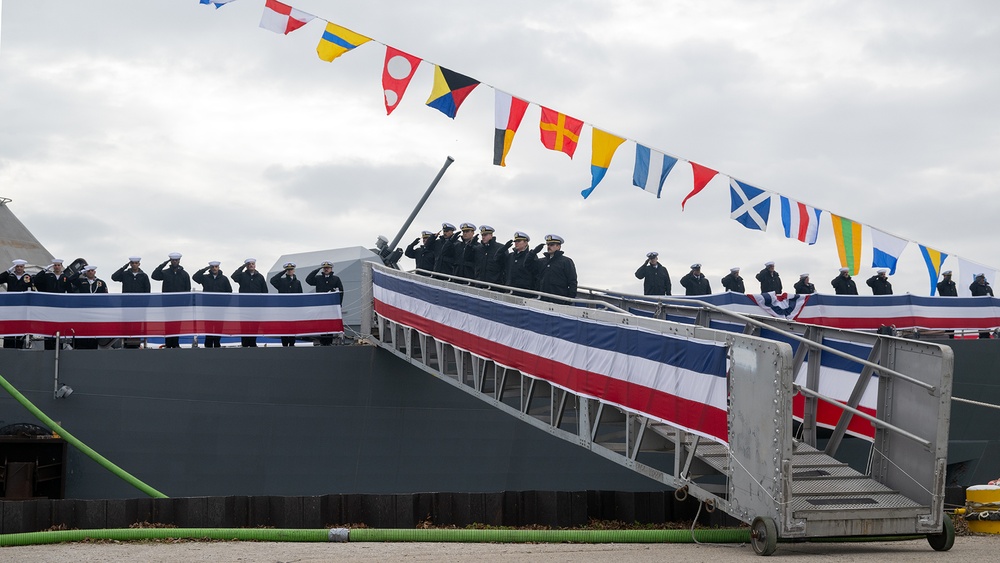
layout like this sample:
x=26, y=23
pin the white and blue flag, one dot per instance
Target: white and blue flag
x=651, y=169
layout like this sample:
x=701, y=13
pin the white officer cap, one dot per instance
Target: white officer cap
x=844, y=270
x=174, y=255
x=695, y=266
x=734, y=270
x=652, y=254
x=214, y=263
x=881, y=271
x=134, y=259
x=250, y=261
x=803, y=276
x=768, y=263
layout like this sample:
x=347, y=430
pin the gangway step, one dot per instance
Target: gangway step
x=841, y=487
x=810, y=473
x=874, y=506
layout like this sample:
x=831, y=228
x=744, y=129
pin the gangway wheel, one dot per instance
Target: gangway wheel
x=764, y=535
x=946, y=539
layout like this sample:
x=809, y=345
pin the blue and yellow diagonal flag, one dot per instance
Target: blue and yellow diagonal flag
x=450, y=90
x=604, y=146
x=934, y=260
x=338, y=40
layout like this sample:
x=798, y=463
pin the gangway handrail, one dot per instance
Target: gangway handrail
x=487, y=285
x=760, y=324
x=864, y=415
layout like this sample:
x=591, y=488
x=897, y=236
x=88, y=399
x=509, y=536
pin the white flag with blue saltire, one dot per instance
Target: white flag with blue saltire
x=651, y=169
x=751, y=206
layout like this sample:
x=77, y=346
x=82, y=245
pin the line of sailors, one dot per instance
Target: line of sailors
x=54, y=279
x=656, y=281
x=464, y=253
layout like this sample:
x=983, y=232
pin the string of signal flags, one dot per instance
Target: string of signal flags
x=751, y=206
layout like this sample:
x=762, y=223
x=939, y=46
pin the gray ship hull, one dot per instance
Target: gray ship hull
x=300, y=421
x=351, y=419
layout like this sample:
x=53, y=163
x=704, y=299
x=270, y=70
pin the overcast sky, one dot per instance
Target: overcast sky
x=148, y=127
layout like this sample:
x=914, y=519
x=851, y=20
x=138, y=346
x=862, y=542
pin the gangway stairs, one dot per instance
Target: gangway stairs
x=755, y=469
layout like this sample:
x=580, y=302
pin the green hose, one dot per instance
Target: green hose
x=132, y=534
x=551, y=536
x=104, y=462
x=384, y=535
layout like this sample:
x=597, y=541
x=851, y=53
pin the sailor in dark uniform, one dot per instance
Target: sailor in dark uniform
x=654, y=276
x=695, y=283
x=981, y=287
x=324, y=281
x=17, y=281
x=286, y=281
x=557, y=272
x=880, y=283
x=87, y=281
x=946, y=287
x=52, y=280
x=444, y=249
x=490, y=257
x=131, y=276
x=843, y=284
x=769, y=279
x=250, y=281
x=133, y=280
x=521, y=269
x=423, y=255
x=175, y=280
x=803, y=287
x=733, y=281
x=212, y=280
x=465, y=251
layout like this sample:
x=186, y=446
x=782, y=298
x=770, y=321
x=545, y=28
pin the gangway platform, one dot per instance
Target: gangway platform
x=727, y=415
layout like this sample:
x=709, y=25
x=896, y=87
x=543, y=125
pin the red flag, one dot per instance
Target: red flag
x=560, y=132
x=396, y=75
x=702, y=176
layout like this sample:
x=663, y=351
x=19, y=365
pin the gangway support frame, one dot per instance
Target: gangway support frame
x=762, y=474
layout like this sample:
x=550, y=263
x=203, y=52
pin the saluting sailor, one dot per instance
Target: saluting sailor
x=17, y=280
x=325, y=281
x=286, y=281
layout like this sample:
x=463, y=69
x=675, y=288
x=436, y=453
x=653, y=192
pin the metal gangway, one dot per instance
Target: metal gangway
x=762, y=468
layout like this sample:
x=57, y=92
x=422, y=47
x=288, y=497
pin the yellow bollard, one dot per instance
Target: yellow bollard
x=981, y=503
